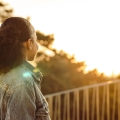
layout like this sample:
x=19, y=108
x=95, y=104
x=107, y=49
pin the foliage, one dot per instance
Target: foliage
x=62, y=72
x=5, y=11
x=45, y=40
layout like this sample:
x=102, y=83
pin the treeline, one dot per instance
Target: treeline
x=61, y=71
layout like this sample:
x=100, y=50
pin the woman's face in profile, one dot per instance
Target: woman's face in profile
x=34, y=47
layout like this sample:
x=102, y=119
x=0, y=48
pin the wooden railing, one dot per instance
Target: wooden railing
x=94, y=102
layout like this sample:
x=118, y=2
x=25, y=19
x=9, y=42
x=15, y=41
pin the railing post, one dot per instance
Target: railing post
x=118, y=101
x=87, y=103
x=93, y=104
x=83, y=110
x=74, y=105
x=64, y=110
x=77, y=104
x=97, y=103
x=59, y=107
x=108, y=104
x=103, y=103
x=68, y=106
x=114, y=100
x=55, y=109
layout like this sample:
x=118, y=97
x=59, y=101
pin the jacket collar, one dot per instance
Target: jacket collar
x=34, y=71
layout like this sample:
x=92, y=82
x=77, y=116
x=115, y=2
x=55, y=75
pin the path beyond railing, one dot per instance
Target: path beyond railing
x=94, y=102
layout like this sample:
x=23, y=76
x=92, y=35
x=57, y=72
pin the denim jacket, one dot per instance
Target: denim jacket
x=20, y=95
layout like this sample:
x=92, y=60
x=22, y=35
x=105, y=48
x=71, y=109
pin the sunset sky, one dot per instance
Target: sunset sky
x=90, y=29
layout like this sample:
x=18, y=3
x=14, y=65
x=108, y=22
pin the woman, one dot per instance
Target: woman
x=20, y=95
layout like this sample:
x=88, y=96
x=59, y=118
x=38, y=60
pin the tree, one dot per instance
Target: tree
x=45, y=40
x=60, y=72
x=5, y=11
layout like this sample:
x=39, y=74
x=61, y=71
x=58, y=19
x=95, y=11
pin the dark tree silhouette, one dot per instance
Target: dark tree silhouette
x=45, y=40
x=5, y=11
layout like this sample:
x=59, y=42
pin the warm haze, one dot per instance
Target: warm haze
x=90, y=29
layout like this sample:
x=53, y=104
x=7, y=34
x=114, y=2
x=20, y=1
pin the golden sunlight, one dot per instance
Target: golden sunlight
x=89, y=29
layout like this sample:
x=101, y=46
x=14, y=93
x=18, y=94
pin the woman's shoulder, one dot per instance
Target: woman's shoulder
x=17, y=77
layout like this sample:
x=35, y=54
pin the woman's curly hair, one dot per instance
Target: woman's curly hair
x=13, y=32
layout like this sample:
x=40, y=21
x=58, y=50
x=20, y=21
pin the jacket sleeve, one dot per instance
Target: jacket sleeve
x=42, y=109
x=21, y=105
x=42, y=113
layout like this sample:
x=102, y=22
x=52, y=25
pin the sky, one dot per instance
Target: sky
x=89, y=29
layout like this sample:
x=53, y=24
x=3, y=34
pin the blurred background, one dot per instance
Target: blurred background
x=79, y=39
x=78, y=54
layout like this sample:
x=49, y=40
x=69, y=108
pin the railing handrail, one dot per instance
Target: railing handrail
x=82, y=88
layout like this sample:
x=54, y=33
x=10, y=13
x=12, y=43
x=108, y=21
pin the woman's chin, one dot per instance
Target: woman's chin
x=30, y=59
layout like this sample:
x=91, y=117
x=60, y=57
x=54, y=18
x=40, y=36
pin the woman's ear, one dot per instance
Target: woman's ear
x=29, y=44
